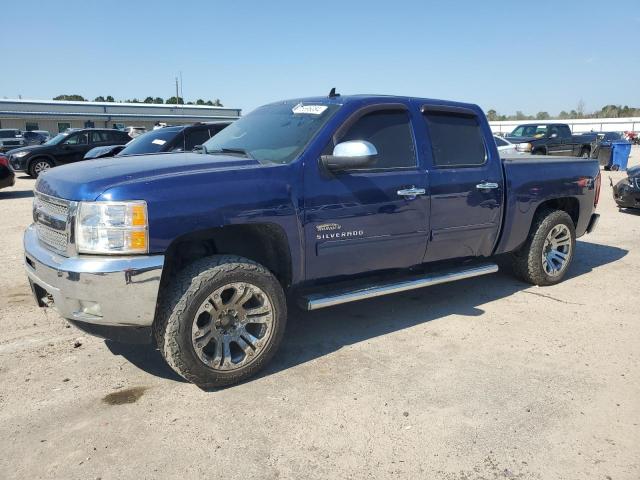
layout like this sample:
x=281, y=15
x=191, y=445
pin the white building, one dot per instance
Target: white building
x=582, y=125
x=56, y=116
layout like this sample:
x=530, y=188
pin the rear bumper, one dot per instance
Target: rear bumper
x=95, y=290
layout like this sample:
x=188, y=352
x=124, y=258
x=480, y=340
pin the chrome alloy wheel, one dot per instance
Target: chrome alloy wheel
x=40, y=167
x=232, y=326
x=556, y=250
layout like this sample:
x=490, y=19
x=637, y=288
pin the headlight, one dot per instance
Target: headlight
x=524, y=147
x=112, y=227
x=19, y=154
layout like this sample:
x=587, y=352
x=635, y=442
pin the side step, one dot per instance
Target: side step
x=316, y=301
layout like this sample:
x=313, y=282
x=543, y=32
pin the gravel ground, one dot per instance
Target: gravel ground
x=482, y=379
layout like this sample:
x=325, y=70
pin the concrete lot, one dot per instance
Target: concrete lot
x=482, y=379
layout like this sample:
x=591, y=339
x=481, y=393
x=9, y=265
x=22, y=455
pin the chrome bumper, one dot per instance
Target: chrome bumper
x=101, y=290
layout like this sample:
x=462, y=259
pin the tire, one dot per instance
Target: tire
x=196, y=325
x=615, y=168
x=39, y=165
x=528, y=263
x=539, y=152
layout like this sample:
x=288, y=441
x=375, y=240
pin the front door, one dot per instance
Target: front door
x=364, y=220
x=73, y=148
x=466, y=184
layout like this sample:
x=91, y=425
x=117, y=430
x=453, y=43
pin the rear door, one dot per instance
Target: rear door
x=466, y=183
x=364, y=220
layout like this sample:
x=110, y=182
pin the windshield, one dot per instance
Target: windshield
x=273, y=133
x=57, y=139
x=536, y=131
x=151, y=142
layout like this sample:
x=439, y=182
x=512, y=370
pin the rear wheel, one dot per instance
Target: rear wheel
x=38, y=166
x=545, y=258
x=222, y=320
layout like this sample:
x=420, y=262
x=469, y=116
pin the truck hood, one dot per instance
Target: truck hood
x=88, y=179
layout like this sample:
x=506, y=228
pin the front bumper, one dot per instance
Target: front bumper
x=94, y=290
x=18, y=163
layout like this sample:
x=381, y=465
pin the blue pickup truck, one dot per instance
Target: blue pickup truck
x=315, y=201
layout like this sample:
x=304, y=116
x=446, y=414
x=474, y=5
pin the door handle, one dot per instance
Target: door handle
x=412, y=192
x=487, y=186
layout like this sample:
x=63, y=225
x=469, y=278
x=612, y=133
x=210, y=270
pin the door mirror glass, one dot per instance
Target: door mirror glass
x=553, y=135
x=350, y=155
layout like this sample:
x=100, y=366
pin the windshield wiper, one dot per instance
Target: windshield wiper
x=240, y=151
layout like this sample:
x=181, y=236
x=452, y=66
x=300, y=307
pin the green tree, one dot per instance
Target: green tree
x=148, y=100
x=172, y=100
x=492, y=115
x=74, y=98
x=217, y=103
x=543, y=116
x=200, y=102
x=158, y=100
x=109, y=99
x=99, y=98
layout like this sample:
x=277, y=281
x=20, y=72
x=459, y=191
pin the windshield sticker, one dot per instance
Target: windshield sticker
x=159, y=141
x=309, y=109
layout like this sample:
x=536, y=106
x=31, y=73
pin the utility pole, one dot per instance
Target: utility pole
x=176, y=91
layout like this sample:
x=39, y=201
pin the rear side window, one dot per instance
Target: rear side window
x=195, y=137
x=99, y=137
x=456, y=140
x=500, y=142
x=390, y=132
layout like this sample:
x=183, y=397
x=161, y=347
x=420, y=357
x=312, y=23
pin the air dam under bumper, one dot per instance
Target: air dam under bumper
x=96, y=290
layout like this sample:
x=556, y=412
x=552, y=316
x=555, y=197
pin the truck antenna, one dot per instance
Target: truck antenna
x=333, y=94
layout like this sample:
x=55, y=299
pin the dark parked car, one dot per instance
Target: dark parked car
x=7, y=177
x=626, y=192
x=10, y=138
x=181, y=138
x=33, y=138
x=551, y=139
x=67, y=147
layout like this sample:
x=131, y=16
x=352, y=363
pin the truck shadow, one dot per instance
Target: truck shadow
x=311, y=335
x=15, y=194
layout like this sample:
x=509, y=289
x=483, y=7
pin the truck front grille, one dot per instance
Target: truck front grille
x=51, y=217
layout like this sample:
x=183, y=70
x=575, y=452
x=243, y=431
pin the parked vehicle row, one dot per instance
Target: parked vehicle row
x=323, y=200
x=68, y=147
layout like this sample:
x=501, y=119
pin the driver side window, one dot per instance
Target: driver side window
x=77, y=139
x=390, y=132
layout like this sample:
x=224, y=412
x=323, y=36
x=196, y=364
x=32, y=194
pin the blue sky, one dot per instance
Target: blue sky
x=546, y=55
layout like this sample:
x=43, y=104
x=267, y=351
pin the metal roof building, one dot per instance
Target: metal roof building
x=56, y=116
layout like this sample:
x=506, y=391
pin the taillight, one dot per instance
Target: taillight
x=597, y=197
x=4, y=161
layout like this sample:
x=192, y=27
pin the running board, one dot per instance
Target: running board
x=317, y=301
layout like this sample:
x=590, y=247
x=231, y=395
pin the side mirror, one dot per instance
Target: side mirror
x=350, y=155
x=198, y=149
x=553, y=135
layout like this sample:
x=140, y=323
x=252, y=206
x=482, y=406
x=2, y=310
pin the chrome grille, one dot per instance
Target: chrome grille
x=51, y=217
x=53, y=238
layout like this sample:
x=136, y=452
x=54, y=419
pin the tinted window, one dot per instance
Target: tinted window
x=456, y=140
x=537, y=131
x=390, y=132
x=77, y=139
x=564, y=131
x=500, y=142
x=213, y=129
x=8, y=133
x=99, y=137
x=195, y=137
x=151, y=142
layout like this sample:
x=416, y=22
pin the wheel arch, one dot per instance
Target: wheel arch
x=570, y=205
x=265, y=243
x=39, y=156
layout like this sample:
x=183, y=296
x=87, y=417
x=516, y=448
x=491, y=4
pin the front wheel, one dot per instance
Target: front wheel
x=38, y=166
x=545, y=257
x=221, y=321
